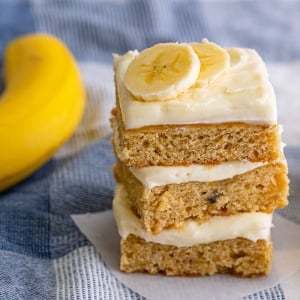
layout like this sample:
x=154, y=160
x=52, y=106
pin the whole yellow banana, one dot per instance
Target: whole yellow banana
x=41, y=105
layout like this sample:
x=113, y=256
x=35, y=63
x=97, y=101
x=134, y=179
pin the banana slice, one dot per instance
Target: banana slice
x=162, y=71
x=214, y=61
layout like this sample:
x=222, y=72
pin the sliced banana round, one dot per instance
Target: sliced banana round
x=214, y=61
x=162, y=71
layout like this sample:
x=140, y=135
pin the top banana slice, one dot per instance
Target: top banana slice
x=214, y=61
x=162, y=71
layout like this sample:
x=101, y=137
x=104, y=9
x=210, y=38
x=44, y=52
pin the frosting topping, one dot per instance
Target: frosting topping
x=242, y=93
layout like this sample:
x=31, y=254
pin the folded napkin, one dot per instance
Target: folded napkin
x=43, y=254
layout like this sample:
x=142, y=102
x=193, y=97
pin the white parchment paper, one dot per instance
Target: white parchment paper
x=100, y=229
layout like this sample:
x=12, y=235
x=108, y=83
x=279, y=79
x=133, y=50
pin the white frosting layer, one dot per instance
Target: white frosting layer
x=157, y=175
x=242, y=93
x=252, y=226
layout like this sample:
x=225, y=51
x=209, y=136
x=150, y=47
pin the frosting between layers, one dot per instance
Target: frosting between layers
x=252, y=226
x=159, y=175
x=242, y=93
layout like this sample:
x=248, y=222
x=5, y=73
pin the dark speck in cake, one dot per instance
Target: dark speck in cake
x=214, y=197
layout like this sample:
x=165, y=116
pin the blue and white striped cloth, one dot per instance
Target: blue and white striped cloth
x=43, y=255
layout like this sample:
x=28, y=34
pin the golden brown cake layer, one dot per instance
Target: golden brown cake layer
x=238, y=256
x=170, y=145
x=260, y=190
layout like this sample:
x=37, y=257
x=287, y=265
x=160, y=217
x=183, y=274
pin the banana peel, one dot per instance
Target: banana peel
x=40, y=107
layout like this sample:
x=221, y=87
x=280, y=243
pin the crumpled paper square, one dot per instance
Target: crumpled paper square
x=100, y=229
